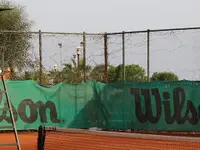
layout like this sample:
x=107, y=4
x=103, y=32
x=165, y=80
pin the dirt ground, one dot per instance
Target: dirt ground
x=28, y=140
x=117, y=141
x=91, y=141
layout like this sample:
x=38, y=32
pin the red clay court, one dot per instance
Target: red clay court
x=28, y=140
x=69, y=139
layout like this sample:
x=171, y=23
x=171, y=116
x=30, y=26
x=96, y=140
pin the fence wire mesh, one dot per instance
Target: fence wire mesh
x=59, y=49
x=95, y=57
x=114, y=57
x=177, y=52
x=136, y=54
x=59, y=56
x=79, y=57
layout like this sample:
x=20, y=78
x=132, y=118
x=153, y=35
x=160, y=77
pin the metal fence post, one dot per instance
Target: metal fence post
x=41, y=138
x=106, y=58
x=124, y=75
x=2, y=61
x=84, y=55
x=123, y=56
x=40, y=55
x=148, y=55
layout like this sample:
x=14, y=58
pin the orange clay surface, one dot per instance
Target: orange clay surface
x=28, y=140
x=76, y=141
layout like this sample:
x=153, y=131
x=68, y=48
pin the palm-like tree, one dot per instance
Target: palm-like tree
x=72, y=73
x=98, y=73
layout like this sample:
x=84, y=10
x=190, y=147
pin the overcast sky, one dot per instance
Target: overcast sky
x=111, y=15
x=172, y=51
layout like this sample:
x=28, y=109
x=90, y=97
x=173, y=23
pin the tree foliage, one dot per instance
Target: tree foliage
x=164, y=76
x=15, y=45
x=98, y=73
x=132, y=73
x=112, y=74
x=71, y=73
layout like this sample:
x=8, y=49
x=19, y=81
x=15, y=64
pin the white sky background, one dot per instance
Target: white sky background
x=111, y=15
x=178, y=52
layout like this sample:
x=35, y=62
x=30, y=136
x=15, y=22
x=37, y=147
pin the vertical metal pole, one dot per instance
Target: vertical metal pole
x=84, y=56
x=124, y=76
x=123, y=56
x=60, y=57
x=148, y=55
x=84, y=65
x=78, y=59
x=76, y=103
x=40, y=55
x=2, y=62
x=106, y=58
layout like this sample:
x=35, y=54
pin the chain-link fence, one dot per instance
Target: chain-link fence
x=176, y=51
x=51, y=58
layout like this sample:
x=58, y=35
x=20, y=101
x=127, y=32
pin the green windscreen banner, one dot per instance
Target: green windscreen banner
x=158, y=106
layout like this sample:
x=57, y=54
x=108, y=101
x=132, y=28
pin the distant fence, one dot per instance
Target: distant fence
x=172, y=50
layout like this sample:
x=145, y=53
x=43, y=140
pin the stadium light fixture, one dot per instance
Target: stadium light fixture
x=78, y=50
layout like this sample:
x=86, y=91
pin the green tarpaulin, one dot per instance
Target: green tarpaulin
x=148, y=106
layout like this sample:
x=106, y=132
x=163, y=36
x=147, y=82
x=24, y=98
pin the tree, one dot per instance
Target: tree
x=111, y=74
x=15, y=45
x=132, y=73
x=35, y=76
x=98, y=73
x=164, y=76
x=71, y=73
x=56, y=75
x=74, y=73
